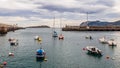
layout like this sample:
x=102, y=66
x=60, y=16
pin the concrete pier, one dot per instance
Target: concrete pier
x=91, y=28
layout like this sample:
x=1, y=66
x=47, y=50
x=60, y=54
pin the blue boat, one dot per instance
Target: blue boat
x=55, y=34
x=40, y=54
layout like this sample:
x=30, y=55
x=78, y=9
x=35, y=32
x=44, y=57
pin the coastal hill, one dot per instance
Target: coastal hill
x=94, y=26
x=42, y=26
x=100, y=23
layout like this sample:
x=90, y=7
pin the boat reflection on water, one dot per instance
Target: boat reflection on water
x=94, y=55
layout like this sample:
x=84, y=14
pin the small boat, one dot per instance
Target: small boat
x=93, y=50
x=40, y=54
x=88, y=37
x=103, y=40
x=11, y=54
x=13, y=41
x=38, y=38
x=112, y=43
x=55, y=34
x=61, y=37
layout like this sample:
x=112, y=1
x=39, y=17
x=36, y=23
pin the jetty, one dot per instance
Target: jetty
x=91, y=28
x=4, y=28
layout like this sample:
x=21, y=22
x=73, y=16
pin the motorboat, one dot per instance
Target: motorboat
x=112, y=43
x=93, y=50
x=13, y=41
x=61, y=37
x=103, y=40
x=40, y=54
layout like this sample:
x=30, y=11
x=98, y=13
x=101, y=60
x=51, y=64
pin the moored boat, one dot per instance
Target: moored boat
x=112, y=43
x=103, y=40
x=88, y=37
x=40, y=54
x=55, y=34
x=38, y=38
x=61, y=37
x=93, y=50
x=13, y=41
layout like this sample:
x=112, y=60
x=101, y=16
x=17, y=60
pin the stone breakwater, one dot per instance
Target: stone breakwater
x=91, y=28
x=4, y=30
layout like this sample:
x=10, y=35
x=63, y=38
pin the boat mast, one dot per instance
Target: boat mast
x=87, y=18
x=87, y=22
x=60, y=24
x=54, y=23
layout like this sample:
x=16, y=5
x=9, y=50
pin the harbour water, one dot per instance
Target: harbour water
x=67, y=53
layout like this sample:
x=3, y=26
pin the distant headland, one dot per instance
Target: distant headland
x=42, y=26
x=94, y=26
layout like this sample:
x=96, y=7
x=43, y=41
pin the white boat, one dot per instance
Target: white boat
x=38, y=38
x=93, y=50
x=103, y=40
x=13, y=41
x=88, y=37
x=55, y=34
x=112, y=43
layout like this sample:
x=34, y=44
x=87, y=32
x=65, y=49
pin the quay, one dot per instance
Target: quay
x=91, y=28
x=6, y=28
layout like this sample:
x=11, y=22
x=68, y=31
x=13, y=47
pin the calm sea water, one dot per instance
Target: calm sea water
x=67, y=53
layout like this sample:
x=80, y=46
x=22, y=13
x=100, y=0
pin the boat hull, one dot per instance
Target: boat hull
x=40, y=58
x=94, y=53
x=13, y=43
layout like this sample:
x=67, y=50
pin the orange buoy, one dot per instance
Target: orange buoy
x=4, y=63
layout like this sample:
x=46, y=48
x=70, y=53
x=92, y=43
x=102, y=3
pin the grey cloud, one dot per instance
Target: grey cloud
x=8, y=12
x=108, y=3
x=83, y=9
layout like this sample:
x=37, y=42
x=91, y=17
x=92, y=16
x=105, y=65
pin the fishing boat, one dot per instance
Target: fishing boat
x=112, y=43
x=13, y=41
x=93, y=50
x=54, y=33
x=103, y=40
x=40, y=54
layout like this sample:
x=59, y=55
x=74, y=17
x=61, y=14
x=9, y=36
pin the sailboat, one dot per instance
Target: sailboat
x=54, y=32
x=61, y=35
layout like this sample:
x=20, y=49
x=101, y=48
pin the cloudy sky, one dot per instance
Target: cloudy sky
x=71, y=12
